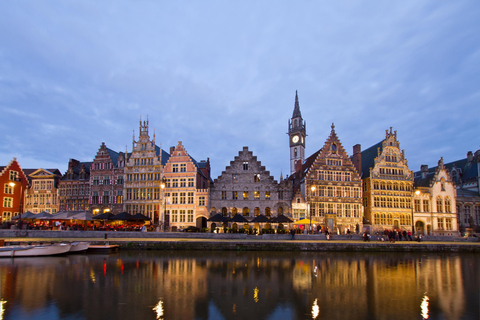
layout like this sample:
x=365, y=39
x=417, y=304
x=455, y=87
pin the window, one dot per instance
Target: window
x=13, y=175
x=95, y=197
x=268, y=212
x=234, y=195
x=256, y=177
x=174, y=198
x=417, y=205
x=106, y=180
x=182, y=215
x=174, y=183
x=334, y=148
x=224, y=212
x=96, y=181
x=105, y=197
x=426, y=206
x=267, y=195
x=256, y=211
x=234, y=178
x=245, y=195
x=120, y=180
x=182, y=197
x=245, y=165
x=312, y=209
x=183, y=183
x=183, y=167
x=175, y=167
x=246, y=212
x=439, y=204
x=190, y=182
x=448, y=224
x=224, y=195
x=201, y=201
x=120, y=196
x=256, y=194
x=8, y=189
x=7, y=202
x=448, y=206
x=190, y=216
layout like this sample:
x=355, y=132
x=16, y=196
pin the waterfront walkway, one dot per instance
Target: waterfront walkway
x=241, y=242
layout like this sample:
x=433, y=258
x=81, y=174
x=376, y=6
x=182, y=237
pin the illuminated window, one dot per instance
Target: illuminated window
x=245, y=195
x=246, y=212
x=267, y=195
x=224, y=195
x=7, y=202
x=256, y=194
x=256, y=211
x=234, y=195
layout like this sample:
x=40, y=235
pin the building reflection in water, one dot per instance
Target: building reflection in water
x=233, y=285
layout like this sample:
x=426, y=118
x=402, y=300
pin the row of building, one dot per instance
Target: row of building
x=372, y=189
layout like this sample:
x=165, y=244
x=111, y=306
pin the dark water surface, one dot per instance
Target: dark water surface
x=241, y=285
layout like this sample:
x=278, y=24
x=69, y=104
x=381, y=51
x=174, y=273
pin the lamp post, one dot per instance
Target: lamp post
x=163, y=215
x=312, y=193
x=20, y=207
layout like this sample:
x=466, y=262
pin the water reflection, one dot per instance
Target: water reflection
x=231, y=285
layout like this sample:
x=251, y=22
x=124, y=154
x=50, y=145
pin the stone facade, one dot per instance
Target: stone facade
x=74, y=187
x=107, y=181
x=186, y=188
x=42, y=194
x=144, y=173
x=333, y=188
x=13, y=184
x=387, y=184
x=247, y=188
x=434, y=202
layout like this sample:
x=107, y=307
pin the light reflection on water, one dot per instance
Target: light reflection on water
x=237, y=285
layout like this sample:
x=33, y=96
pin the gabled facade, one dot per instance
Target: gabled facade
x=143, y=176
x=13, y=184
x=332, y=188
x=186, y=187
x=466, y=175
x=434, y=204
x=387, y=184
x=107, y=181
x=42, y=194
x=74, y=187
x=247, y=188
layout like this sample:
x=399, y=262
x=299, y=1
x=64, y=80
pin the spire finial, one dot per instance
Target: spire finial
x=296, y=109
x=333, y=126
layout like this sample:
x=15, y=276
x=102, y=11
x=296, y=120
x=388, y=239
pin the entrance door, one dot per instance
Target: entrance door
x=419, y=227
x=396, y=224
x=330, y=224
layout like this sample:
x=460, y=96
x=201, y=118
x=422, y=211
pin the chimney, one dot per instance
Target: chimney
x=424, y=170
x=357, y=158
x=171, y=150
x=469, y=156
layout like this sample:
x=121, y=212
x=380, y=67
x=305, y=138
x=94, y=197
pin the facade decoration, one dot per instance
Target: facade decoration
x=185, y=186
x=74, y=187
x=107, y=181
x=387, y=185
x=248, y=189
x=434, y=202
x=332, y=188
x=466, y=175
x=42, y=194
x=297, y=134
x=13, y=185
x=143, y=176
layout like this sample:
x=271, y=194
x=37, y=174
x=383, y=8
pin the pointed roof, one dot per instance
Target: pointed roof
x=296, y=109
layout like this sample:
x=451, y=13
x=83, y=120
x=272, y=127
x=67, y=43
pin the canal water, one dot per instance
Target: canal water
x=241, y=285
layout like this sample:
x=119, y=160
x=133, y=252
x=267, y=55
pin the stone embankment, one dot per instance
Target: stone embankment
x=243, y=242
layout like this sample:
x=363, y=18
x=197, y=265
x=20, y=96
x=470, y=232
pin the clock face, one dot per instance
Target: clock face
x=295, y=139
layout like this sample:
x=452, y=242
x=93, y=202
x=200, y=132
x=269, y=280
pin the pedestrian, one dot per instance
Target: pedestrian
x=348, y=234
x=409, y=233
x=292, y=233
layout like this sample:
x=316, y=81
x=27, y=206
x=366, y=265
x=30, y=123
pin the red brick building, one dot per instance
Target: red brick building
x=14, y=183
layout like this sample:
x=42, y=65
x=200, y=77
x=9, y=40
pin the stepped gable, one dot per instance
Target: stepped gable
x=426, y=177
x=255, y=166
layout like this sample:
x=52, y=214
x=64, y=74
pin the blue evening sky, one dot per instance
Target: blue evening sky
x=220, y=75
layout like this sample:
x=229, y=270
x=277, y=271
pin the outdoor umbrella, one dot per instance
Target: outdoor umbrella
x=239, y=218
x=218, y=218
x=25, y=215
x=104, y=216
x=123, y=216
x=261, y=219
x=44, y=216
x=140, y=216
x=81, y=215
x=282, y=219
x=305, y=221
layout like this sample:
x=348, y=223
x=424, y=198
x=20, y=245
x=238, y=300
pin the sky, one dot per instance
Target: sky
x=220, y=75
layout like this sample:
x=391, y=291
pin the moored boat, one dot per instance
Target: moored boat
x=79, y=246
x=34, y=250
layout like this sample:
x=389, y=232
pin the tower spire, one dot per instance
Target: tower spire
x=296, y=109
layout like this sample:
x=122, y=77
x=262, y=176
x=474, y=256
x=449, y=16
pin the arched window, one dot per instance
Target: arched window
x=246, y=212
x=268, y=212
x=295, y=152
x=256, y=211
x=334, y=147
x=224, y=211
x=234, y=211
x=448, y=205
x=280, y=210
x=439, y=204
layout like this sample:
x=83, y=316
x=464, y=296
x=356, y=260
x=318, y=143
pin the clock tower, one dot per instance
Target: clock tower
x=296, y=134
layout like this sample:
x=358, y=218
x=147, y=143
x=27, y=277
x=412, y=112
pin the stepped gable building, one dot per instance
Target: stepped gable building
x=434, y=202
x=144, y=173
x=186, y=187
x=297, y=129
x=247, y=188
x=332, y=188
x=466, y=175
x=74, y=187
x=13, y=185
x=107, y=181
x=42, y=193
x=387, y=184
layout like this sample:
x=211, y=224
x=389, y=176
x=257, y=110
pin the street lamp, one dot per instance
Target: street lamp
x=163, y=185
x=313, y=190
x=12, y=184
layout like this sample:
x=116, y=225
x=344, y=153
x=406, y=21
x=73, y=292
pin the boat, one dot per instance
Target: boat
x=102, y=248
x=34, y=250
x=79, y=246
